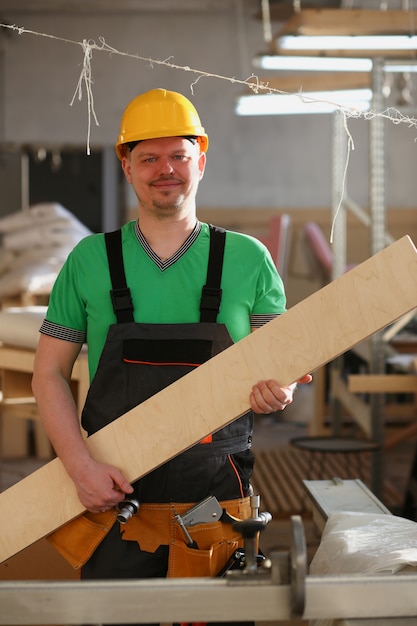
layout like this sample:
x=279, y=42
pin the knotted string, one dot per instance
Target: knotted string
x=86, y=78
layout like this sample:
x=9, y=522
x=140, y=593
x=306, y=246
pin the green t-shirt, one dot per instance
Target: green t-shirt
x=80, y=307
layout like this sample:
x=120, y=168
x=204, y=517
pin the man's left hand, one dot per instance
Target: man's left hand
x=267, y=396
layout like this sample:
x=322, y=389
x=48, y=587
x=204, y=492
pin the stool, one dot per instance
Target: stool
x=350, y=447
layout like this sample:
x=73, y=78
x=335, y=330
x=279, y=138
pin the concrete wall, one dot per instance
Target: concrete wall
x=252, y=162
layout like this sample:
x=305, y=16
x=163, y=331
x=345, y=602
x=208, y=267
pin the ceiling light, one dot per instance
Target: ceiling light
x=304, y=103
x=298, y=63
x=311, y=63
x=400, y=66
x=347, y=42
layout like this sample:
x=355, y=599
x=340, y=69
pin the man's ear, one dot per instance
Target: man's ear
x=202, y=159
x=126, y=168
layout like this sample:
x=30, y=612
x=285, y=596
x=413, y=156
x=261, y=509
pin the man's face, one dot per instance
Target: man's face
x=165, y=174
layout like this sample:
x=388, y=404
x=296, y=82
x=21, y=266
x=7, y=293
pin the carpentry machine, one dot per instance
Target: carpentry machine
x=278, y=589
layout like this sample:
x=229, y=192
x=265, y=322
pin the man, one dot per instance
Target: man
x=136, y=298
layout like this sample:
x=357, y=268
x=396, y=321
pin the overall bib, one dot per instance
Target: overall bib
x=137, y=361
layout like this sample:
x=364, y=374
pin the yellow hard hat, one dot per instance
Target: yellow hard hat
x=160, y=113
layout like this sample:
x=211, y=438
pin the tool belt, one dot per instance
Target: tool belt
x=155, y=525
x=77, y=540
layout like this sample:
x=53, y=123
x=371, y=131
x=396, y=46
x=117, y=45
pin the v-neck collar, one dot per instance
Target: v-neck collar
x=163, y=265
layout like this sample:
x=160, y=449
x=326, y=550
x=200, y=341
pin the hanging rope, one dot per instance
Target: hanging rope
x=86, y=78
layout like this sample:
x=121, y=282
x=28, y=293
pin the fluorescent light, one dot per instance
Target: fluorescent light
x=400, y=66
x=305, y=103
x=347, y=42
x=311, y=63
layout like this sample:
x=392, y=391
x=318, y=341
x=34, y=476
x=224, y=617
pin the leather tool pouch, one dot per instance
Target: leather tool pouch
x=155, y=524
x=216, y=543
x=77, y=540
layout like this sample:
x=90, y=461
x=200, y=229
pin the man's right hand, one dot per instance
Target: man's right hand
x=101, y=487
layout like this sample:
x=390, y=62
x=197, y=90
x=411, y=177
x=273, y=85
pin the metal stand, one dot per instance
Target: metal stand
x=378, y=239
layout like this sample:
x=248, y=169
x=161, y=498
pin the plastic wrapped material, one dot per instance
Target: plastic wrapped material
x=19, y=326
x=38, y=215
x=34, y=244
x=41, y=236
x=365, y=543
x=34, y=277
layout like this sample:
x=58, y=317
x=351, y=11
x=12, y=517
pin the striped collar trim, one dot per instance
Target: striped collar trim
x=163, y=265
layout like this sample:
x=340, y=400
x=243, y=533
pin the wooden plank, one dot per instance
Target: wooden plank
x=17, y=359
x=355, y=406
x=349, y=22
x=20, y=359
x=315, y=331
x=399, y=325
x=382, y=383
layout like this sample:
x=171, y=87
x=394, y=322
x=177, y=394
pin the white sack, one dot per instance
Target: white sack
x=34, y=245
x=57, y=233
x=365, y=543
x=41, y=213
x=19, y=326
x=36, y=278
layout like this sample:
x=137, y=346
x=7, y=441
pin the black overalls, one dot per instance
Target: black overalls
x=137, y=361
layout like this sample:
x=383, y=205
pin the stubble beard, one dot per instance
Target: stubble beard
x=163, y=209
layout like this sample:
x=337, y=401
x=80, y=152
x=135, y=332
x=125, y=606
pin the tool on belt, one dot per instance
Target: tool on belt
x=206, y=511
x=126, y=509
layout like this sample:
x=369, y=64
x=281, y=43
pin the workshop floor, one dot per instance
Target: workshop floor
x=270, y=432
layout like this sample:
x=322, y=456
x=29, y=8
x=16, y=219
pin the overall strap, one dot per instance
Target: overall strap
x=120, y=294
x=212, y=293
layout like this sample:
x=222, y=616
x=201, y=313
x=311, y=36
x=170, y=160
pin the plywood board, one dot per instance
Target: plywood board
x=382, y=383
x=348, y=22
x=310, y=334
